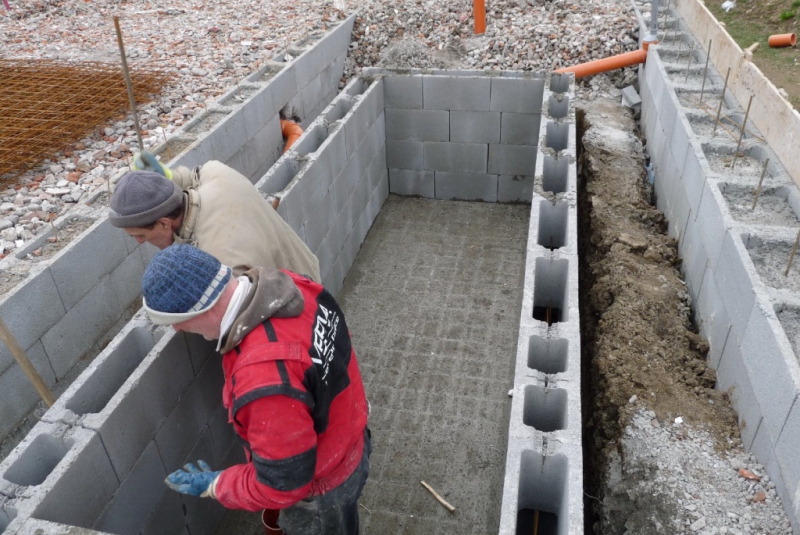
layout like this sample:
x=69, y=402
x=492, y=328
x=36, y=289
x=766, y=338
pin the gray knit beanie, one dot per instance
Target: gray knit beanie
x=142, y=198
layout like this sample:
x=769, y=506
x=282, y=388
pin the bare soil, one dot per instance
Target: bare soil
x=753, y=21
x=640, y=349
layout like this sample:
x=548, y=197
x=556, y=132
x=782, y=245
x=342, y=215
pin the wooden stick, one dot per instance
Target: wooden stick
x=438, y=498
x=25, y=364
x=127, y=75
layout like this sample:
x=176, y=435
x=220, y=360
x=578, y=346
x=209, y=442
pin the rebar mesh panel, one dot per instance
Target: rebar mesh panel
x=46, y=105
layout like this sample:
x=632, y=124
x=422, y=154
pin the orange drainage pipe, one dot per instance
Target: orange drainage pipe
x=782, y=39
x=291, y=131
x=479, y=10
x=606, y=64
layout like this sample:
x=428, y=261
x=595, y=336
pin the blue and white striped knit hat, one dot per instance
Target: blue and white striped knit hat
x=182, y=282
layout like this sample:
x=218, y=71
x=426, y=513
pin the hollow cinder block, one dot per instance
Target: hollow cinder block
x=714, y=227
x=34, y=526
x=694, y=177
x=694, y=257
x=456, y=93
x=732, y=377
x=403, y=154
x=771, y=365
x=403, y=91
x=456, y=157
x=734, y=275
x=514, y=188
x=20, y=397
x=167, y=518
x=474, y=126
x=418, y=125
x=520, y=128
x=138, y=496
x=202, y=514
x=519, y=95
x=92, y=317
x=368, y=107
x=320, y=221
x=512, y=159
x=411, y=182
x=466, y=186
x=786, y=449
x=182, y=428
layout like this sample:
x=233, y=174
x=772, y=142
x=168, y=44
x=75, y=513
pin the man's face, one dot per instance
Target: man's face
x=160, y=235
x=205, y=324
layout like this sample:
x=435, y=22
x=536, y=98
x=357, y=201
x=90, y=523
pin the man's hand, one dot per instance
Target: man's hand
x=146, y=161
x=193, y=480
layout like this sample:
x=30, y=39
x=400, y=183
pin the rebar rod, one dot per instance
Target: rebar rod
x=705, y=71
x=721, y=100
x=689, y=64
x=741, y=133
x=791, y=256
x=128, y=84
x=760, y=181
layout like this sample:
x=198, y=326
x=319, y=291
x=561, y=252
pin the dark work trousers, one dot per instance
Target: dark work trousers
x=333, y=513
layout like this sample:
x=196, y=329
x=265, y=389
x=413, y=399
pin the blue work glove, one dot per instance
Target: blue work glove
x=193, y=480
x=146, y=161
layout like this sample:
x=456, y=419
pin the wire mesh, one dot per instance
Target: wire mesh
x=46, y=105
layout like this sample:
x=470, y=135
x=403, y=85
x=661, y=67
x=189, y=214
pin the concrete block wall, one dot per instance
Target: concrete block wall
x=462, y=134
x=66, y=307
x=149, y=403
x=334, y=180
x=734, y=255
x=544, y=464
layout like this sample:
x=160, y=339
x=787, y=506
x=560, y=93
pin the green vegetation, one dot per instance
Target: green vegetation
x=786, y=15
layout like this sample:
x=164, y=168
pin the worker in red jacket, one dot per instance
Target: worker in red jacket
x=293, y=389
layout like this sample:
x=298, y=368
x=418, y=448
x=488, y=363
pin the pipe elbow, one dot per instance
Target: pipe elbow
x=291, y=131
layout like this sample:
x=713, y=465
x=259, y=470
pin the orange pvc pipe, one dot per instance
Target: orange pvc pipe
x=606, y=64
x=291, y=131
x=782, y=39
x=479, y=10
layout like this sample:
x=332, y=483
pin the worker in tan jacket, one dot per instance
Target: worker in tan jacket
x=212, y=207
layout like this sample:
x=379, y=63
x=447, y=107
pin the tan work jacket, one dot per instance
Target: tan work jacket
x=226, y=216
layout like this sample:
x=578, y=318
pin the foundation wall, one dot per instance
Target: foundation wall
x=149, y=402
x=66, y=307
x=735, y=253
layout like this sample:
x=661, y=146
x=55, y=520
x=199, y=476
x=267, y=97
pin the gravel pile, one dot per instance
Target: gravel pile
x=672, y=479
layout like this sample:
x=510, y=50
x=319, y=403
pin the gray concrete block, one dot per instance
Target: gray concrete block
x=681, y=209
x=693, y=177
x=80, y=481
x=319, y=221
x=167, y=519
x=198, y=153
x=332, y=154
x=200, y=350
x=179, y=433
x=367, y=108
x=40, y=294
x=138, y=496
x=222, y=433
x=281, y=88
x=401, y=91
x=404, y=155
x=308, y=66
x=734, y=275
x=33, y=526
x=92, y=316
x=679, y=142
x=667, y=109
x=771, y=365
x=466, y=186
x=203, y=515
x=456, y=93
x=148, y=252
x=311, y=96
x=346, y=182
x=418, y=125
x=20, y=397
x=258, y=111
x=713, y=228
x=475, y=126
x=512, y=159
x=520, y=128
x=514, y=188
x=84, y=261
x=129, y=421
x=126, y=279
x=456, y=157
x=227, y=137
x=411, y=182
x=733, y=378
x=786, y=448
x=517, y=95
